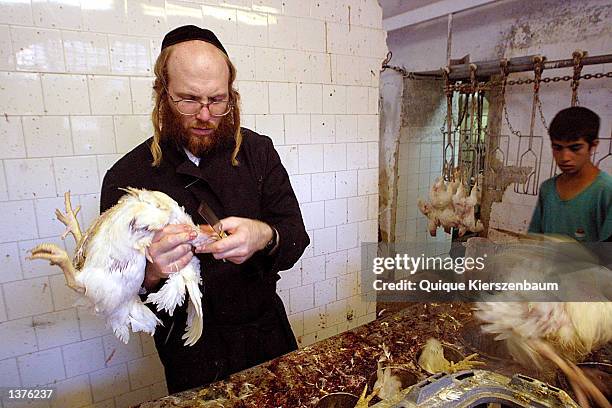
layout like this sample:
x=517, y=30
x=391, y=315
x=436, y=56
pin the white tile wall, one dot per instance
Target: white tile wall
x=38, y=49
x=9, y=374
x=73, y=392
x=83, y=357
x=57, y=328
x=322, y=128
x=9, y=262
x=252, y=28
x=284, y=100
x=93, y=134
x=297, y=129
x=42, y=367
x=86, y=52
x=36, y=289
x=109, y=382
x=3, y=186
x=20, y=93
x=64, y=94
x=75, y=91
x=109, y=95
x=79, y=174
x=145, y=371
x=116, y=352
x=47, y=136
x=323, y=186
x=18, y=221
x=29, y=178
x=346, y=183
x=18, y=337
x=11, y=137
x=313, y=269
x=16, y=13
x=130, y=131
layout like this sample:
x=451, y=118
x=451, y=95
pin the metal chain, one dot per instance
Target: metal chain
x=504, y=81
x=544, y=122
x=577, y=56
x=512, y=130
x=487, y=85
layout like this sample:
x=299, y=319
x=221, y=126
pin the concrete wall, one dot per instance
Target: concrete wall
x=75, y=94
x=553, y=28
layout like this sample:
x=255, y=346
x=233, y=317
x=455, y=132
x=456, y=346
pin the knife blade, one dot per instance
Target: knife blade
x=211, y=218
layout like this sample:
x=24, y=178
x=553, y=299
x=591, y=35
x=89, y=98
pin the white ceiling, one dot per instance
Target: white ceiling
x=402, y=13
x=395, y=7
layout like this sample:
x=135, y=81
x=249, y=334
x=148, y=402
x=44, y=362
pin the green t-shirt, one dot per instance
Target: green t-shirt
x=586, y=217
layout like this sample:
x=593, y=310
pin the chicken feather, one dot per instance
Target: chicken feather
x=109, y=262
x=559, y=332
x=450, y=206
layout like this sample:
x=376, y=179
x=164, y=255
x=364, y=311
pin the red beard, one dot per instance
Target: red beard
x=173, y=129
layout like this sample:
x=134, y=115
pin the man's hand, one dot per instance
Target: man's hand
x=169, y=252
x=246, y=237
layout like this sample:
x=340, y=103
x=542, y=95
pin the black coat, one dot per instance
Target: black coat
x=245, y=322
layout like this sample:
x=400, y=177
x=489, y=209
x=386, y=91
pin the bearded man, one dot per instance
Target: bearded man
x=199, y=153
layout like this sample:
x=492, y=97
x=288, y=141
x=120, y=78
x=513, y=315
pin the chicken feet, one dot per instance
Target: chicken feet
x=57, y=256
x=583, y=387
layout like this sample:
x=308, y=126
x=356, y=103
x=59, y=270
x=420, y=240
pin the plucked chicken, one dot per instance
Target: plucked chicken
x=108, y=266
x=464, y=207
x=449, y=206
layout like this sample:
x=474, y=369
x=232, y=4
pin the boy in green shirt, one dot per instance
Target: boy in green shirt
x=577, y=202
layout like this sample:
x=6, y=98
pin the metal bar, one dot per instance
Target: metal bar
x=449, y=38
x=519, y=64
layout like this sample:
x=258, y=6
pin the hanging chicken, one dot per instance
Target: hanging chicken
x=449, y=206
x=109, y=263
x=562, y=333
x=438, y=209
x=464, y=207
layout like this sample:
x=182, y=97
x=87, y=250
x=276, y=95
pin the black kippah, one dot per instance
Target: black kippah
x=191, y=32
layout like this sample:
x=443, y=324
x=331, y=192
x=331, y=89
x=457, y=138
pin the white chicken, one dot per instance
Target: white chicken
x=449, y=206
x=387, y=384
x=464, y=207
x=440, y=194
x=109, y=263
x=433, y=361
x=559, y=332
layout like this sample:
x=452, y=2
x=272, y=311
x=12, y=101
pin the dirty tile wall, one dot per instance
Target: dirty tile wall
x=75, y=94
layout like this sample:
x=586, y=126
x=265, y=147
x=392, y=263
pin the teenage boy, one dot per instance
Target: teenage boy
x=577, y=202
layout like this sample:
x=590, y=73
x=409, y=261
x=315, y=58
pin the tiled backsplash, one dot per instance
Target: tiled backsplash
x=75, y=94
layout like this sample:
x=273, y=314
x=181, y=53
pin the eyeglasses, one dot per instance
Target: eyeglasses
x=190, y=107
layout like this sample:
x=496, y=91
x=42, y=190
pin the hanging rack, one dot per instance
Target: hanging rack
x=448, y=149
x=499, y=158
x=528, y=158
x=486, y=69
x=607, y=156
